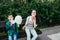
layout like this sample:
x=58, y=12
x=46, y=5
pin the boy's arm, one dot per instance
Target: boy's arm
x=7, y=26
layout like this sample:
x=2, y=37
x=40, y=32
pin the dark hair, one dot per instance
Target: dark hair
x=34, y=10
x=10, y=14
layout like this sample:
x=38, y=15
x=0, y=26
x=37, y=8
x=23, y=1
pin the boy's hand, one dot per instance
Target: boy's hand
x=12, y=22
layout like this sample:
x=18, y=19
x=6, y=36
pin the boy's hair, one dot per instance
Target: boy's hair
x=10, y=14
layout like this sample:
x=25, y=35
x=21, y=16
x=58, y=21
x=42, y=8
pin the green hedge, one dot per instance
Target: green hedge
x=45, y=10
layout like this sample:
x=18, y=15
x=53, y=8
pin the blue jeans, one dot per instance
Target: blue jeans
x=32, y=31
x=12, y=37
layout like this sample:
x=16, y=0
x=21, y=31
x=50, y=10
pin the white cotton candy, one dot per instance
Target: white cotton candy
x=18, y=19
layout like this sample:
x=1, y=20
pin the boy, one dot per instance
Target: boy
x=12, y=28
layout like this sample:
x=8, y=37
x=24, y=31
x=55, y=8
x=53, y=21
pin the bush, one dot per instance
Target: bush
x=47, y=11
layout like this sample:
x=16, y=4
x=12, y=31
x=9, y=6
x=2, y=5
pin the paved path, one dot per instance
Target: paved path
x=52, y=33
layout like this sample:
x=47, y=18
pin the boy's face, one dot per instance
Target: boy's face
x=10, y=17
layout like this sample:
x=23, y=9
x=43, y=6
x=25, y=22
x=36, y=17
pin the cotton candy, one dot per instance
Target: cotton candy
x=18, y=19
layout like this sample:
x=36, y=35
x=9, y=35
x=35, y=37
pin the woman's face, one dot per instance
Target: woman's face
x=34, y=13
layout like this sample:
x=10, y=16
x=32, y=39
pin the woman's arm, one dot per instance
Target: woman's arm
x=26, y=23
x=35, y=25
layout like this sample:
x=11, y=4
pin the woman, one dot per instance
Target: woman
x=30, y=25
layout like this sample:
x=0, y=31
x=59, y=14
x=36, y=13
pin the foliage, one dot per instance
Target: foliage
x=46, y=11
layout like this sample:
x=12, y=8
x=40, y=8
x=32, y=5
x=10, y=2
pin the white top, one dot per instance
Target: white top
x=29, y=21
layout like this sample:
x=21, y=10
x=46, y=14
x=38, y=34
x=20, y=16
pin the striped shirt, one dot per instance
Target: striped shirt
x=29, y=21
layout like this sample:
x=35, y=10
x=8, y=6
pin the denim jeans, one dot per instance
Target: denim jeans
x=12, y=37
x=29, y=31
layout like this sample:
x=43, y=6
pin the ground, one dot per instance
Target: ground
x=52, y=33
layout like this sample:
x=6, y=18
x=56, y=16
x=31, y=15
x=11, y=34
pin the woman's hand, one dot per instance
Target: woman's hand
x=23, y=27
x=35, y=25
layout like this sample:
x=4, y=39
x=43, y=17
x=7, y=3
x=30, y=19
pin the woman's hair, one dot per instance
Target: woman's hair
x=33, y=10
